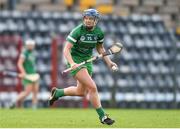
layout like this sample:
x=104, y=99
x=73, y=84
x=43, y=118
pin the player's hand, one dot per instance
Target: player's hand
x=113, y=66
x=74, y=66
x=22, y=75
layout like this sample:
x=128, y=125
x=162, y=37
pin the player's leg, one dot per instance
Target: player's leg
x=85, y=82
x=25, y=93
x=35, y=90
x=22, y=95
x=78, y=90
x=85, y=79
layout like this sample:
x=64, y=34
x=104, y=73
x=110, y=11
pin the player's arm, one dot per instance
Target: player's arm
x=70, y=41
x=100, y=49
x=67, y=54
x=20, y=66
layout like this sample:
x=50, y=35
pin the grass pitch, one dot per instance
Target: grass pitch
x=81, y=118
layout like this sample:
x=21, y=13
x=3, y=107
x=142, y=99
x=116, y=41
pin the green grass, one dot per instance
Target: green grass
x=79, y=118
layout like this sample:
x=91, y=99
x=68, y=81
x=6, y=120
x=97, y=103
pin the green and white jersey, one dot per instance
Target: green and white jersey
x=84, y=41
x=29, y=61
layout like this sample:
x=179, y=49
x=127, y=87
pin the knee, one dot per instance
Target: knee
x=34, y=94
x=81, y=93
x=92, y=88
x=27, y=93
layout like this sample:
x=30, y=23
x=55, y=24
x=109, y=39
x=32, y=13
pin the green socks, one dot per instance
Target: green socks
x=59, y=93
x=100, y=112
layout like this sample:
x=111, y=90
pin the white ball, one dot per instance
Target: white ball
x=114, y=68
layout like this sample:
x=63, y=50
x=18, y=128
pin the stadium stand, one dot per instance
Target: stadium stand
x=148, y=76
x=168, y=9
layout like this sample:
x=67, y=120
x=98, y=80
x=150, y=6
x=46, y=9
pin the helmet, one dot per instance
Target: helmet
x=91, y=12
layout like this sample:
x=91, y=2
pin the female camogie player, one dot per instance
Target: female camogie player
x=79, y=47
x=26, y=65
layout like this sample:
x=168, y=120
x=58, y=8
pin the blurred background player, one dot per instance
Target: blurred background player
x=79, y=47
x=26, y=65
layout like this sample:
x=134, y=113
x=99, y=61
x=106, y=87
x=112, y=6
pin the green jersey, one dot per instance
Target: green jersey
x=29, y=61
x=84, y=41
